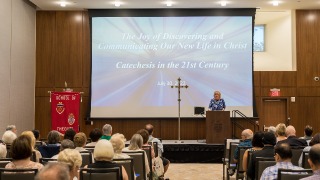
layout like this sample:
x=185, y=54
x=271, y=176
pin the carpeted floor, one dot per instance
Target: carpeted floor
x=194, y=171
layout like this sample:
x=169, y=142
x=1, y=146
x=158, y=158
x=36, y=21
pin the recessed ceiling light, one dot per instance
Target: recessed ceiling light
x=223, y=3
x=63, y=4
x=117, y=3
x=275, y=3
x=169, y=3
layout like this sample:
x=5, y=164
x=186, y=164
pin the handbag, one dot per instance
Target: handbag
x=157, y=168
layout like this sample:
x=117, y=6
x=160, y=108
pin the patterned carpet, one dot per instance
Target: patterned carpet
x=192, y=171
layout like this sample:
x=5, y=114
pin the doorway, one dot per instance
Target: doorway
x=275, y=111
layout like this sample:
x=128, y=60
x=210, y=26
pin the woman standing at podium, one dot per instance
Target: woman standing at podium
x=217, y=103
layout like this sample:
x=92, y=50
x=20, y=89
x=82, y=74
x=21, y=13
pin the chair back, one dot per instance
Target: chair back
x=90, y=148
x=138, y=163
x=305, y=164
x=86, y=158
x=284, y=174
x=296, y=153
x=4, y=162
x=8, y=146
x=45, y=161
x=127, y=163
x=17, y=174
x=100, y=173
x=233, y=147
x=261, y=164
x=155, y=147
x=148, y=150
x=240, y=172
x=227, y=143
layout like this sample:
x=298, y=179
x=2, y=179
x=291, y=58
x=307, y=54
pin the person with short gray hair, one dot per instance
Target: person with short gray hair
x=65, y=144
x=53, y=171
x=107, y=132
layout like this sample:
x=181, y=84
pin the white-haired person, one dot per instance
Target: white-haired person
x=8, y=137
x=12, y=128
x=72, y=158
x=103, y=155
x=53, y=171
x=136, y=143
x=106, y=132
x=65, y=144
x=33, y=143
x=118, y=142
x=3, y=150
x=52, y=147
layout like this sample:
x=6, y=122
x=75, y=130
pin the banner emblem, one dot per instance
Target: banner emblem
x=60, y=108
x=71, y=119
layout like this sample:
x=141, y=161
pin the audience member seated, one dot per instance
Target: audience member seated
x=165, y=161
x=257, y=145
x=283, y=155
x=36, y=134
x=65, y=144
x=53, y=146
x=69, y=134
x=268, y=140
x=21, y=152
x=53, y=171
x=308, y=130
x=94, y=135
x=314, y=162
x=106, y=132
x=3, y=150
x=281, y=132
x=292, y=139
x=118, y=142
x=12, y=128
x=246, y=136
x=103, y=155
x=33, y=143
x=8, y=137
x=272, y=129
x=315, y=140
x=72, y=158
x=80, y=140
x=145, y=137
x=136, y=145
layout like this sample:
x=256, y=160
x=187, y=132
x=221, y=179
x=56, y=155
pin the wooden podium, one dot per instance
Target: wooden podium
x=218, y=126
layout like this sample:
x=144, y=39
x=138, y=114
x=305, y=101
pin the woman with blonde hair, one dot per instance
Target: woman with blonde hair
x=33, y=143
x=117, y=140
x=80, y=140
x=72, y=158
x=281, y=132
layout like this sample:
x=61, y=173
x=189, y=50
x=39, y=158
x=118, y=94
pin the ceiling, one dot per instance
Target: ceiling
x=263, y=5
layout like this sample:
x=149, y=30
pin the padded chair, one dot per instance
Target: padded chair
x=261, y=164
x=100, y=173
x=17, y=174
x=240, y=172
x=284, y=174
x=4, y=162
x=148, y=150
x=45, y=161
x=155, y=147
x=226, y=154
x=90, y=148
x=296, y=153
x=8, y=150
x=305, y=164
x=86, y=158
x=231, y=163
x=138, y=163
x=127, y=163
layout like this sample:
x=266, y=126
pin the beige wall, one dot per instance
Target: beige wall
x=17, y=64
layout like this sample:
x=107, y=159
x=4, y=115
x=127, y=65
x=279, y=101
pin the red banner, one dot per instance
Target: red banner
x=65, y=107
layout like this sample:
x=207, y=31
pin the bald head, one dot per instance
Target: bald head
x=290, y=131
x=247, y=134
x=53, y=171
x=314, y=155
x=149, y=128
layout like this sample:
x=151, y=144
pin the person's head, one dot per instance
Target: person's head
x=257, y=139
x=107, y=130
x=12, y=128
x=217, y=95
x=272, y=129
x=290, y=131
x=103, y=151
x=53, y=137
x=80, y=139
x=145, y=135
x=72, y=158
x=118, y=142
x=136, y=142
x=8, y=137
x=315, y=139
x=308, y=130
x=66, y=144
x=282, y=152
x=281, y=129
x=36, y=134
x=3, y=150
x=30, y=134
x=69, y=134
x=53, y=171
x=269, y=139
x=95, y=134
x=314, y=157
x=246, y=134
x=21, y=148
x=149, y=128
